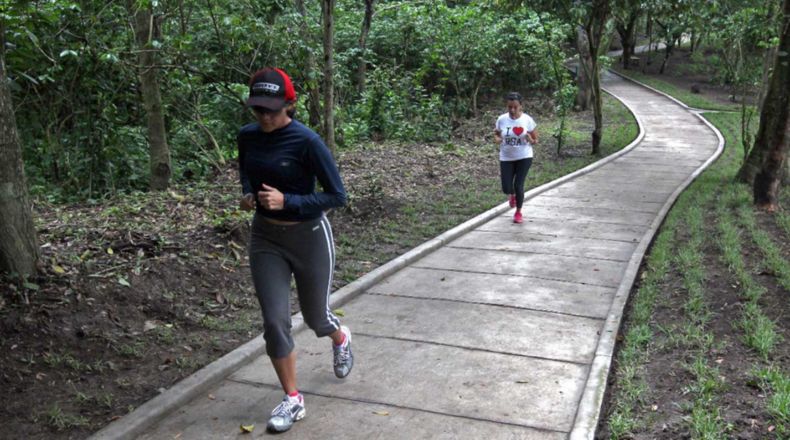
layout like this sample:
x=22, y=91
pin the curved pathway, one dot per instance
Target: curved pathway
x=505, y=332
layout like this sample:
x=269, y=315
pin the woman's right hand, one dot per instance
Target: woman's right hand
x=247, y=203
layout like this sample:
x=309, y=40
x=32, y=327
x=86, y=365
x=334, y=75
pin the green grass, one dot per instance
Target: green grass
x=56, y=418
x=759, y=332
x=776, y=384
x=134, y=350
x=690, y=99
x=783, y=220
x=224, y=324
x=772, y=253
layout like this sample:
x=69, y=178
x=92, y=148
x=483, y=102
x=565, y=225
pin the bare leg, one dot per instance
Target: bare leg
x=337, y=336
x=286, y=372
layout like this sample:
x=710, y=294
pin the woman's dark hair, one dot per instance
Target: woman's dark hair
x=514, y=96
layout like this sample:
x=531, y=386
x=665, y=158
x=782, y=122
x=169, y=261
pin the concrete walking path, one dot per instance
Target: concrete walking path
x=506, y=332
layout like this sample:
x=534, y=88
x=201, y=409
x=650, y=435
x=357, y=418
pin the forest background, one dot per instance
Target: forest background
x=126, y=114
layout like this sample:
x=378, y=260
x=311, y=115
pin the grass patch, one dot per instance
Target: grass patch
x=221, y=323
x=56, y=418
x=776, y=384
x=772, y=253
x=783, y=220
x=760, y=332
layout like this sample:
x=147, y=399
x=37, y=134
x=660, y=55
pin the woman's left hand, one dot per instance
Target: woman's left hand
x=270, y=198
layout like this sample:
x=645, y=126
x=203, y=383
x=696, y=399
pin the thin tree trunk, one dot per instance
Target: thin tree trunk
x=146, y=31
x=627, y=32
x=18, y=242
x=667, y=52
x=363, y=38
x=311, y=84
x=584, y=70
x=767, y=60
x=649, y=31
x=327, y=15
x=670, y=42
x=773, y=137
x=595, y=34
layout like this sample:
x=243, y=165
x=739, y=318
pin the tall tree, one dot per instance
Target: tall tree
x=584, y=70
x=363, y=37
x=310, y=69
x=626, y=14
x=590, y=18
x=328, y=20
x=18, y=248
x=147, y=32
x=595, y=28
x=765, y=162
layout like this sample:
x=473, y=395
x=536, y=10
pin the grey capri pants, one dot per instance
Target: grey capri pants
x=307, y=251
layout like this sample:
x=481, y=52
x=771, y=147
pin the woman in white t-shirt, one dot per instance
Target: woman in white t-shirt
x=515, y=132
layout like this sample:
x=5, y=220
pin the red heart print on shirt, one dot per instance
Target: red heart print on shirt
x=518, y=130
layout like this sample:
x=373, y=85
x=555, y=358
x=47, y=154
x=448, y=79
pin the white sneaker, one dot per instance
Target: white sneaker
x=286, y=413
x=344, y=359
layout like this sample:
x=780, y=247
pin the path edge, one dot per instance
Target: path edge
x=149, y=413
x=589, y=411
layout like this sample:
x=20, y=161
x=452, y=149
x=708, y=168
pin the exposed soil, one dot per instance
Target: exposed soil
x=664, y=412
x=139, y=291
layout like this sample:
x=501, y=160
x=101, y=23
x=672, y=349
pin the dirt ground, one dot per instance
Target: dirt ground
x=667, y=374
x=139, y=291
x=664, y=414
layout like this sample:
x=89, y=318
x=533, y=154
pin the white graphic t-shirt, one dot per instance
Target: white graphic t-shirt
x=515, y=143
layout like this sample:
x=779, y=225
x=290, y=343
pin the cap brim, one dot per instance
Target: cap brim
x=267, y=102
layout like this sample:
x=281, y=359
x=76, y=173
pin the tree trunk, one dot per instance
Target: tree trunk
x=596, y=26
x=773, y=137
x=327, y=16
x=767, y=60
x=649, y=31
x=18, y=243
x=583, y=71
x=363, y=37
x=670, y=42
x=627, y=32
x=310, y=68
x=146, y=31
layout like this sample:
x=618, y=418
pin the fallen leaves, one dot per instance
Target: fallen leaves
x=176, y=196
x=246, y=429
x=381, y=413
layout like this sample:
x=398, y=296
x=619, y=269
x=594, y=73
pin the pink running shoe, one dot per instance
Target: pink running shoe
x=512, y=200
x=517, y=218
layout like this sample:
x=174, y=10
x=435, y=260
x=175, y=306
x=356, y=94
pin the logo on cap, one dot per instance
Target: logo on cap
x=266, y=88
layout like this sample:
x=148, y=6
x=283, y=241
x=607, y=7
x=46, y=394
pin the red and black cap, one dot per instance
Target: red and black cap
x=270, y=88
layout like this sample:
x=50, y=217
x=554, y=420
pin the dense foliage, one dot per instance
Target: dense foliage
x=74, y=70
x=75, y=78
